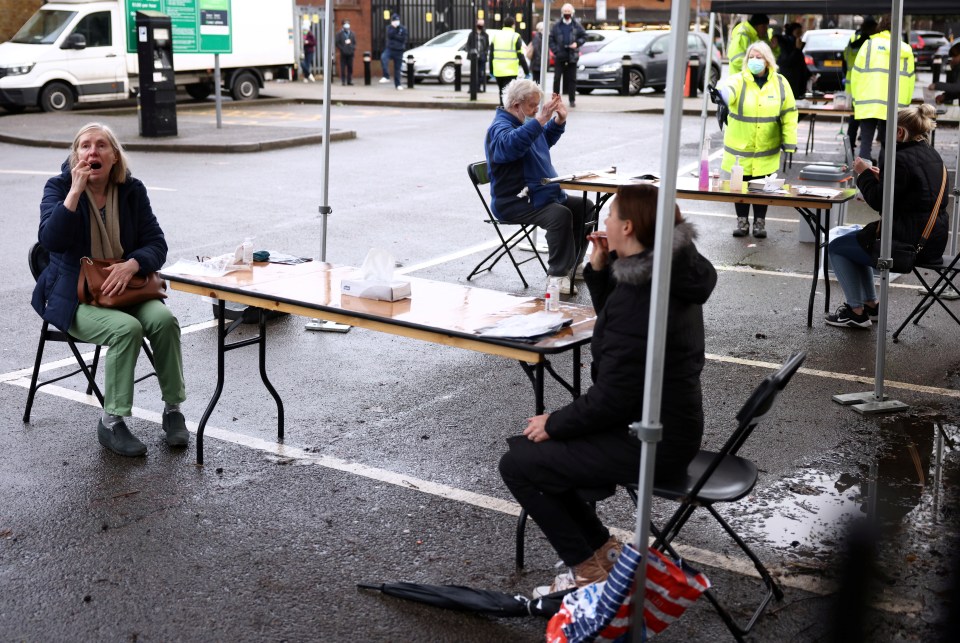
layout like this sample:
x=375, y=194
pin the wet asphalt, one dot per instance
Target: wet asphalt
x=388, y=471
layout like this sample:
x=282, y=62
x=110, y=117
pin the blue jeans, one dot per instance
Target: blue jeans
x=869, y=128
x=397, y=58
x=853, y=268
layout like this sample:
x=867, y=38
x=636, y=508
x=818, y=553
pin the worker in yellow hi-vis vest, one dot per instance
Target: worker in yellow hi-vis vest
x=506, y=56
x=868, y=85
x=743, y=35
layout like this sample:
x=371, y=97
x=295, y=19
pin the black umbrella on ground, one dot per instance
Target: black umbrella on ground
x=468, y=599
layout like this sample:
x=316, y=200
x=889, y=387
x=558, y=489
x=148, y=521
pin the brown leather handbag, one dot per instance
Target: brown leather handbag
x=140, y=289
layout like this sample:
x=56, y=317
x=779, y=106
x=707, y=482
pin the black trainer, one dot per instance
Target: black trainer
x=846, y=318
x=872, y=311
x=120, y=440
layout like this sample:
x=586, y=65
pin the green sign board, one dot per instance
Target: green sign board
x=199, y=26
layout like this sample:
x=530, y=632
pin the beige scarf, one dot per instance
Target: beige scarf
x=105, y=231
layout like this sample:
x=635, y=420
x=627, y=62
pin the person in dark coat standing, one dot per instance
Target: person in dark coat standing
x=566, y=37
x=533, y=49
x=479, y=40
x=94, y=208
x=587, y=443
x=950, y=87
x=918, y=177
x=393, y=50
x=791, y=66
x=309, y=51
x=346, y=43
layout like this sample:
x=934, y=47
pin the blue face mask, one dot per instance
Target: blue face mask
x=756, y=66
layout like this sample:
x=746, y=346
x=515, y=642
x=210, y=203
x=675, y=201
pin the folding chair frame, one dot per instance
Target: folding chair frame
x=946, y=273
x=478, y=176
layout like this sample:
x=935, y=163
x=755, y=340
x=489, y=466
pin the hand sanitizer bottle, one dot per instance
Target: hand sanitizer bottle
x=736, y=177
x=704, y=169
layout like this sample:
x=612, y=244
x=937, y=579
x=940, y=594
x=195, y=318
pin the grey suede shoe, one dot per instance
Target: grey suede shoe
x=120, y=440
x=176, y=429
x=743, y=227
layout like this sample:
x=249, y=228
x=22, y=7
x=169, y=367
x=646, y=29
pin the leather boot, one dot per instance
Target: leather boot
x=120, y=440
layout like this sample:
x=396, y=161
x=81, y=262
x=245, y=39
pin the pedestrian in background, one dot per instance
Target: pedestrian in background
x=506, y=56
x=743, y=35
x=393, y=50
x=868, y=85
x=952, y=84
x=533, y=52
x=479, y=41
x=309, y=52
x=867, y=29
x=791, y=64
x=346, y=43
x=566, y=37
x=762, y=121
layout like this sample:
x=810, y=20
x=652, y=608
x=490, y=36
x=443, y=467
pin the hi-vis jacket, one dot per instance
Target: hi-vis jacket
x=506, y=54
x=742, y=36
x=761, y=121
x=868, y=82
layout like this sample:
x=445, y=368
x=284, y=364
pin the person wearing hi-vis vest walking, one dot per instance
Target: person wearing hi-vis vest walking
x=743, y=35
x=868, y=85
x=506, y=56
x=762, y=121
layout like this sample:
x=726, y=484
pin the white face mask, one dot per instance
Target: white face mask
x=395, y=23
x=346, y=26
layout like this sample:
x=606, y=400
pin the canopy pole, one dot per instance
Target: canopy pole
x=325, y=209
x=545, y=51
x=876, y=402
x=706, y=83
x=649, y=428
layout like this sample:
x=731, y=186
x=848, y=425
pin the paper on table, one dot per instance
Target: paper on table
x=525, y=326
x=211, y=267
x=826, y=193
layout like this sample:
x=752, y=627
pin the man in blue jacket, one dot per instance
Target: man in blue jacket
x=567, y=35
x=517, y=147
x=393, y=50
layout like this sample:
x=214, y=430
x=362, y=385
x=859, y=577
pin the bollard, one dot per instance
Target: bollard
x=474, y=74
x=936, y=67
x=366, y=67
x=457, y=72
x=410, y=78
x=693, y=76
x=625, y=75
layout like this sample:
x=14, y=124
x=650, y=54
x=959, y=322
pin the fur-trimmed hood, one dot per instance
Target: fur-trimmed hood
x=689, y=282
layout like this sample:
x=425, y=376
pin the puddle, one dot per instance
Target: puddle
x=899, y=483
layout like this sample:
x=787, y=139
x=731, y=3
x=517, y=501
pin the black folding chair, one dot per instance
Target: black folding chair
x=712, y=477
x=479, y=176
x=947, y=270
x=38, y=258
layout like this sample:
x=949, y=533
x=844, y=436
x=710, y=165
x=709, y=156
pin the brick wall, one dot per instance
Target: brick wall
x=13, y=13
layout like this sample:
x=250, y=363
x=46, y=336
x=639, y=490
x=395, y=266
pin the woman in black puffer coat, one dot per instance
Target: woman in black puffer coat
x=918, y=179
x=588, y=442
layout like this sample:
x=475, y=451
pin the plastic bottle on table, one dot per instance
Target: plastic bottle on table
x=248, y=251
x=552, y=296
x=736, y=177
x=704, y=169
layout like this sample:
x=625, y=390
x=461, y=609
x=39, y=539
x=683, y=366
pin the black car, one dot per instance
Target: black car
x=823, y=54
x=648, y=51
x=925, y=44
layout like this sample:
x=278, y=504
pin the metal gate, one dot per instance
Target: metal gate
x=425, y=19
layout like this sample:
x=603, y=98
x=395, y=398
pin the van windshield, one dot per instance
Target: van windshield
x=44, y=27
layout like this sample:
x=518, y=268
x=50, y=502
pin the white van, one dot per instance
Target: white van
x=75, y=51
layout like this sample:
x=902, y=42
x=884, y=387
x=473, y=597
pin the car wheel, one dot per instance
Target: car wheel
x=637, y=81
x=584, y=91
x=199, y=91
x=245, y=87
x=448, y=74
x=56, y=97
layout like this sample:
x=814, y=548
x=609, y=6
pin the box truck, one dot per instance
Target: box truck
x=76, y=51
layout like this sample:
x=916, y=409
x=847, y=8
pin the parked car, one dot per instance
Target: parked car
x=599, y=38
x=823, y=54
x=435, y=59
x=648, y=51
x=925, y=44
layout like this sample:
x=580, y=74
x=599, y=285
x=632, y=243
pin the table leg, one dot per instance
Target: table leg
x=824, y=217
x=263, y=372
x=813, y=221
x=576, y=372
x=538, y=388
x=810, y=134
x=221, y=350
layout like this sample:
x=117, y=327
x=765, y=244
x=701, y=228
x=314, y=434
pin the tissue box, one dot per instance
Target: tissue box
x=371, y=289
